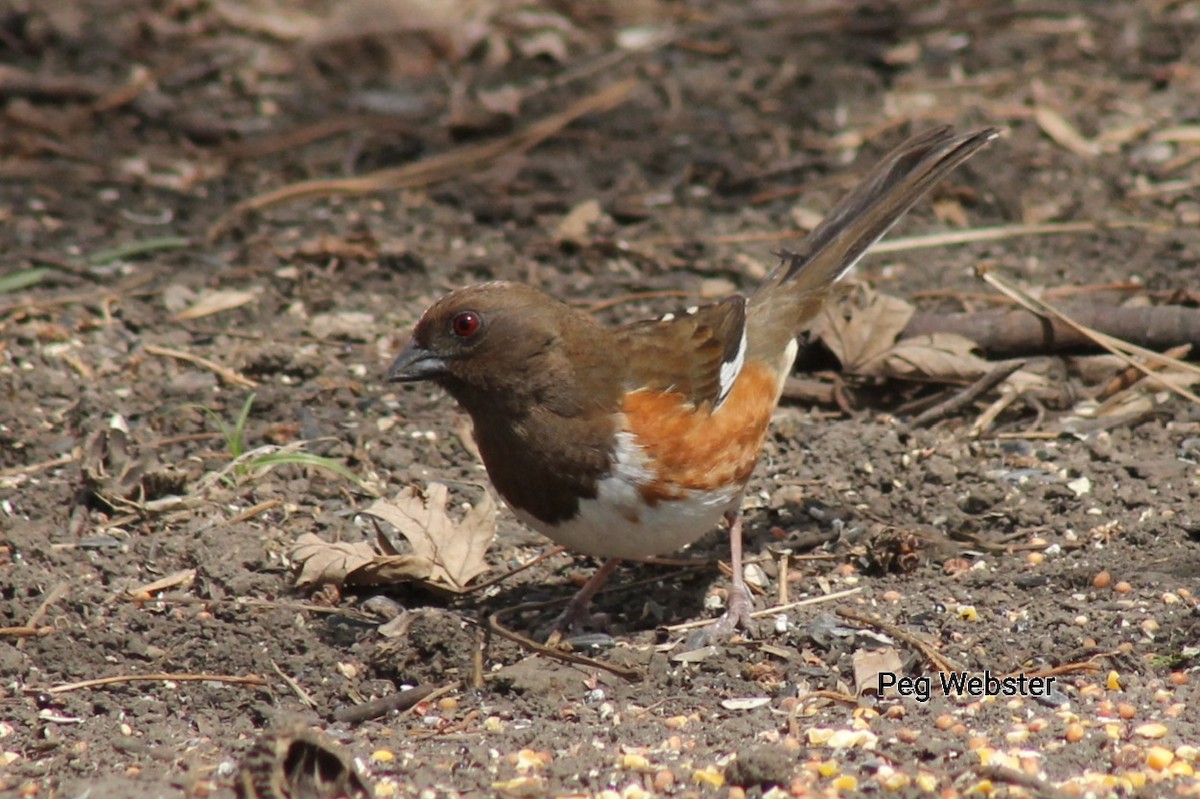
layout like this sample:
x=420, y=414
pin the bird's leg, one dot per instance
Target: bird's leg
x=578, y=612
x=737, y=612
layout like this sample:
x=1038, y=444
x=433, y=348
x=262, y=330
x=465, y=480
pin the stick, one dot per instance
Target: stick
x=225, y=373
x=758, y=614
x=249, y=679
x=968, y=395
x=940, y=661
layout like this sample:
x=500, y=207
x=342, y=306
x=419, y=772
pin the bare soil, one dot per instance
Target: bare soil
x=139, y=126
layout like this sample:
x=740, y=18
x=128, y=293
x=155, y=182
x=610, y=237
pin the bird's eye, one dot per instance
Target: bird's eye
x=466, y=324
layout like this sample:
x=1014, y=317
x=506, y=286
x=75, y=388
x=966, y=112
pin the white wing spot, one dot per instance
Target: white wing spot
x=731, y=369
x=667, y=317
x=693, y=309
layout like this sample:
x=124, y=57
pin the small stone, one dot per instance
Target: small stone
x=763, y=766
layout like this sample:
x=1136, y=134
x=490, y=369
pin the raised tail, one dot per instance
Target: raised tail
x=793, y=292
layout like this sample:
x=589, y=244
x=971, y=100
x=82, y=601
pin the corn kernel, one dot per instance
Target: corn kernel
x=845, y=783
x=1152, y=730
x=634, y=763
x=1158, y=757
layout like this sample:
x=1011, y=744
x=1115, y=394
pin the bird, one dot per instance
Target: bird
x=633, y=441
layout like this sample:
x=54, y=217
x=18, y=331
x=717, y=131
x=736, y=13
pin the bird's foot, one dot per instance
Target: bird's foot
x=737, y=615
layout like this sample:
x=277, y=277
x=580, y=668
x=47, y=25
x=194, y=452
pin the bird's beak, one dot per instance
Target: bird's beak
x=415, y=363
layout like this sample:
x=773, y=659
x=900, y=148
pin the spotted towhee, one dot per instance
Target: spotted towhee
x=634, y=441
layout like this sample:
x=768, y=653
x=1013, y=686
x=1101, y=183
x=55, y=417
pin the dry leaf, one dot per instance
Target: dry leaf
x=321, y=561
x=215, y=302
x=870, y=663
x=453, y=551
x=944, y=357
x=575, y=225
x=392, y=569
x=862, y=327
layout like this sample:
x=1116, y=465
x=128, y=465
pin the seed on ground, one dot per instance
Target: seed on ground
x=1153, y=730
x=1158, y=757
x=1073, y=733
x=1102, y=580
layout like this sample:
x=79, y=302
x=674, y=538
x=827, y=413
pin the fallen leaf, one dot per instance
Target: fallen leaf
x=454, y=552
x=862, y=327
x=870, y=663
x=392, y=569
x=321, y=561
x=944, y=357
x=574, y=226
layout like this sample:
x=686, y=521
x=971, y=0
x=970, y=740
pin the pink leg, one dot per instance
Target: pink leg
x=578, y=610
x=737, y=614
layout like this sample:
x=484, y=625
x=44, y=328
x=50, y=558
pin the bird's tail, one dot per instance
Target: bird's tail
x=794, y=291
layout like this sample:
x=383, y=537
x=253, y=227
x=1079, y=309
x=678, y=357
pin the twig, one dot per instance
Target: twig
x=972, y=236
x=940, y=661
x=53, y=463
x=1130, y=377
x=1010, y=775
x=295, y=685
x=225, y=373
x=58, y=592
x=1018, y=331
x=235, y=679
x=436, y=168
x=25, y=631
x=1065, y=668
x=968, y=395
x=147, y=590
x=549, y=553
x=494, y=626
x=759, y=614
x=1122, y=349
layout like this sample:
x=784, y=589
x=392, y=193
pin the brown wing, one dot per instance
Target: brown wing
x=695, y=353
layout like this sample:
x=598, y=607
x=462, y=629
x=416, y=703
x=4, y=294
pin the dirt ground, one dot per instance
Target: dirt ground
x=1038, y=546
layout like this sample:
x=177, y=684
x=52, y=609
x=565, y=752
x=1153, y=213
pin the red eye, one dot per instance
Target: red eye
x=466, y=324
